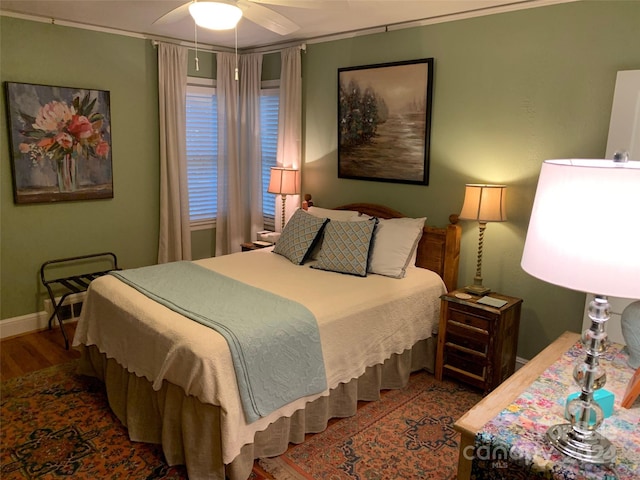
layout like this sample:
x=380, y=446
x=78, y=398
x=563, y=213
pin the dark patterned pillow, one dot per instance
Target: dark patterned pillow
x=345, y=247
x=298, y=236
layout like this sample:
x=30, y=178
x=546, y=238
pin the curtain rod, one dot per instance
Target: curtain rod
x=212, y=49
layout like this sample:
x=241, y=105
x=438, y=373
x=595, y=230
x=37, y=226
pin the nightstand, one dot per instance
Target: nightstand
x=247, y=246
x=477, y=343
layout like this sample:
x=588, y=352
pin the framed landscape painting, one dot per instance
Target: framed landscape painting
x=384, y=121
x=60, y=143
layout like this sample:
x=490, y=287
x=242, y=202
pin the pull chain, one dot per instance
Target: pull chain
x=195, y=29
x=236, y=30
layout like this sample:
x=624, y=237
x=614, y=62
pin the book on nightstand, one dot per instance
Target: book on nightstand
x=492, y=302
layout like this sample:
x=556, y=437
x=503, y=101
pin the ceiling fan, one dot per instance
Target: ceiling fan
x=254, y=10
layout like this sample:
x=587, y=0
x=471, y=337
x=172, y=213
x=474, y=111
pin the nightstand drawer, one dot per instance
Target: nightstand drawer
x=466, y=338
x=468, y=319
x=466, y=361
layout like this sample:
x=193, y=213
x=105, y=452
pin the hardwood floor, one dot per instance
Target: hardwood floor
x=34, y=351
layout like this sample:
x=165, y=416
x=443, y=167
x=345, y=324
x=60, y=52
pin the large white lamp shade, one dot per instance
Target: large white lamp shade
x=584, y=231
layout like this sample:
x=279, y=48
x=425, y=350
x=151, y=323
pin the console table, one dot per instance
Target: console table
x=503, y=436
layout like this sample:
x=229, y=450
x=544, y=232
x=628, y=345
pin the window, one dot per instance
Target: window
x=202, y=151
x=269, y=104
x=202, y=155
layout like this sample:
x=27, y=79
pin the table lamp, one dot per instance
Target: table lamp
x=284, y=181
x=484, y=203
x=584, y=234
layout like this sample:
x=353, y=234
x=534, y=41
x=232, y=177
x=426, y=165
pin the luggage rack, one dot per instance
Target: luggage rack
x=73, y=283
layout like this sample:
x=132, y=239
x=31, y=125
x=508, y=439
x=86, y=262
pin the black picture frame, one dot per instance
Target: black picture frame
x=60, y=143
x=384, y=121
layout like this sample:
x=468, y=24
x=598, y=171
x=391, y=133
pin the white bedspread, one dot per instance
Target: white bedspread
x=362, y=321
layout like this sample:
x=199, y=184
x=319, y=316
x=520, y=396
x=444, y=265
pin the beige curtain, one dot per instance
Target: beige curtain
x=239, y=213
x=289, y=122
x=174, y=241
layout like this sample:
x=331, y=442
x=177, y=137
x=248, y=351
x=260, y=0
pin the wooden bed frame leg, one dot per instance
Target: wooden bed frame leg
x=452, y=253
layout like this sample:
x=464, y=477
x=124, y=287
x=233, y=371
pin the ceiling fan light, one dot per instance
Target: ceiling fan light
x=215, y=15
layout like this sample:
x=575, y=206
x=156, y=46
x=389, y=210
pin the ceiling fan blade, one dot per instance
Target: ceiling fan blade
x=323, y=4
x=267, y=18
x=174, y=15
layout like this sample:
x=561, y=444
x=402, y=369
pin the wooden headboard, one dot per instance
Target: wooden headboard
x=439, y=247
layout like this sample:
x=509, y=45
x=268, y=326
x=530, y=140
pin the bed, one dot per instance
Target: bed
x=171, y=381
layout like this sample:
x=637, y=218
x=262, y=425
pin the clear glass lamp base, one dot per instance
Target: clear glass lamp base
x=593, y=448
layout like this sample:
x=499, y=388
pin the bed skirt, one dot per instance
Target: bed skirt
x=189, y=430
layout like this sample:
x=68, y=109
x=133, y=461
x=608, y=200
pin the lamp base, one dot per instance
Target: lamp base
x=591, y=449
x=477, y=289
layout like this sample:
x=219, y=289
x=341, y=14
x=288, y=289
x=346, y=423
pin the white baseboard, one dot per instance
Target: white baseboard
x=33, y=322
x=520, y=362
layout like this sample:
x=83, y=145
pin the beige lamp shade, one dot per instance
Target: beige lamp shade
x=284, y=181
x=484, y=203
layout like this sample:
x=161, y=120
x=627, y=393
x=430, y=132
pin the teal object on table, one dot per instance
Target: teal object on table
x=605, y=399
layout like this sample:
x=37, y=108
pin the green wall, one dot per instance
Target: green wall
x=510, y=91
x=33, y=52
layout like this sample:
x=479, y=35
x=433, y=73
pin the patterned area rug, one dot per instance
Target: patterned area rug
x=408, y=434
x=57, y=424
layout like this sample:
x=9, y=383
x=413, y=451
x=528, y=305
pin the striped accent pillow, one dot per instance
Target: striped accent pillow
x=345, y=247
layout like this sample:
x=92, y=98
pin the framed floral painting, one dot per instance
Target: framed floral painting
x=384, y=121
x=60, y=142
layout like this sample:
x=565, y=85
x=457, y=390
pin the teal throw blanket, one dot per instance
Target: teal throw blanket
x=274, y=342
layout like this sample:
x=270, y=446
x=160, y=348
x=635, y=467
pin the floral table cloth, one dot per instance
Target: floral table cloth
x=513, y=444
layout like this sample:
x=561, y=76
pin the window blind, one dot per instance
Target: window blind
x=202, y=154
x=269, y=104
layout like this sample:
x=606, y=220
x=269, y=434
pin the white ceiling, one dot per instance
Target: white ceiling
x=316, y=18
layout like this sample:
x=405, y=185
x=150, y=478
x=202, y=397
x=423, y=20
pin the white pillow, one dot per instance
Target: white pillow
x=394, y=243
x=360, y=217
x=339, y=215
